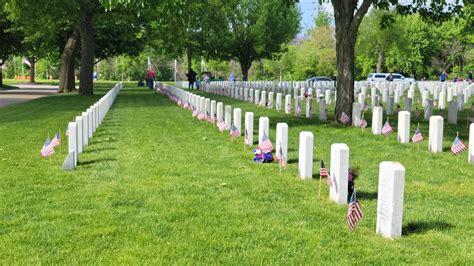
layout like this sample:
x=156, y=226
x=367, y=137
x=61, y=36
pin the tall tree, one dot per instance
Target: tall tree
x=257, y=29
x=10, y=39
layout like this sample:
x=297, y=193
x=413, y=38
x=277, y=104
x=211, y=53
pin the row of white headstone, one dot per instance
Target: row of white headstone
x=391, y=175
x=85, y=125
x=435, y=141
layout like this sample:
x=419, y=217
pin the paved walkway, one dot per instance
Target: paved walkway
x=24, y=93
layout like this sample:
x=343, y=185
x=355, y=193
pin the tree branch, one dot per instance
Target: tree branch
x=364, y=7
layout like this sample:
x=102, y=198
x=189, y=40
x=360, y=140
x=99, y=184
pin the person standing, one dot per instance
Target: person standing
x=150, y=77
x=389, y=77
x=442, y=77
x=191, y=78
x=232, y=77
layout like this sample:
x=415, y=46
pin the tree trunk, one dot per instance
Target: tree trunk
x=68, y=56
x=380, y=60
x=348, y=15
x=245, y=70
x=32, y=69
x=189, y=55
x=1, y=75
x=86, y=84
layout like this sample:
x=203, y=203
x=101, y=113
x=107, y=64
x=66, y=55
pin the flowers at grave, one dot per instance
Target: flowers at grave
x=262, y=157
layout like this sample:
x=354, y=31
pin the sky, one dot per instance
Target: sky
x=308, y=11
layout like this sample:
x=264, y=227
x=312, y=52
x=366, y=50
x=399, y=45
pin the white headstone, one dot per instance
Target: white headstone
x=428, y=109
x=72, y=140
x=249, y=127
x=453, y=113
x=220, y=112
x=390, y=199
x=403, y=135
x=377, y=118
x=309, y=107
x=408, y=104
x=339, y=173
x=305, y=158
x=91, y=123
x=328, y=97
x=257, y=97
x=470, y=154
x=442, y=100
x=263, y=127
x=356, y=114
x=278, y=102
x=323, y=116
x=435, y=142
x=282, y=140
x=270, y=100
x=263, y=100
x=213, y=109
x=80, y=134
x=238, y=119
x=288, y=104
x=228, y=116
x=85, y=128
x=390, y=104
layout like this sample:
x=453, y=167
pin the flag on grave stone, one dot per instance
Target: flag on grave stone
x=56, y=141
x=344, y=118
x=458, y=146
x=221, y=125
x=47, y=150
x=417, y=137
x=354, y=213
x=201, y=116
x=247, y=140
x=387, y=129
x=209, y=118
x=323, y=172
x=280, y=158
x=234, y=132
x=298, y=109
x=363, y=123
x=365, y=107
x=266, y=144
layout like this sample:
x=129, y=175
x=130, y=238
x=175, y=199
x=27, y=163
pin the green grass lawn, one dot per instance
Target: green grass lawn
x=157, y=186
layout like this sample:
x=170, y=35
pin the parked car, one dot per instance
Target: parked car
x=383, y=77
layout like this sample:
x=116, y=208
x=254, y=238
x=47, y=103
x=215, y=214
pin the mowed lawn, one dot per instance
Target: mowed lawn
x=157, y=186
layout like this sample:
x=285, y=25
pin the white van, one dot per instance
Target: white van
x=383, y=77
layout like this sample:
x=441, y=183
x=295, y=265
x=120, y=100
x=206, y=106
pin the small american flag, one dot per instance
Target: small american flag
x=266, y=144
x=210, y=119
x=354, y=213
x=280, y=158
x=298, y=109
x=417, y=137
x=323, y=172
x=387, y=129
x=221, y=125
x=234, y=132
x=201, y=116
x=458, y=146
x=363, y=123
x=344, y=118
x=365, y=107
x=56, y=140
x=47, y=150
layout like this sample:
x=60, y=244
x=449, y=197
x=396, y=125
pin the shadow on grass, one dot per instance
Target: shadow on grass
x=423, y=227
x=366, y=195
x=100, y=149
x=89, y=162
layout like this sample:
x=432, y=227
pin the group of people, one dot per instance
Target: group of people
x=443, y=77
